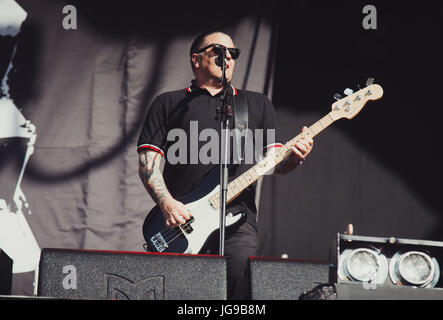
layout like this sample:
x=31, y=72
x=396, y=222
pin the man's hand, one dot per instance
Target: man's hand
x=175, y=213
x=300, y=150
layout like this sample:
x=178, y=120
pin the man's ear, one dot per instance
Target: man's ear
x=195, y=60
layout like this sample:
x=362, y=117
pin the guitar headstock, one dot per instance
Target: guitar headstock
x=349, y=106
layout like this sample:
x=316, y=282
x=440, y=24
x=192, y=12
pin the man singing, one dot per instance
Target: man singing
x=199, y=104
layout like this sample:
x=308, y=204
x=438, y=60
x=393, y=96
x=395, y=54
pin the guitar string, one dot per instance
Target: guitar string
x=173, y=239
x=177, y=231
x=173, y=232
x=166, y=233
x=177, y=234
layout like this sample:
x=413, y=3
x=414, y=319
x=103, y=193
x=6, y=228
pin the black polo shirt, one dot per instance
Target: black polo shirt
x=189, y=116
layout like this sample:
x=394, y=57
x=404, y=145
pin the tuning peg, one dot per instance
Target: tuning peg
x=348, y=91
x=369, y=81
x=338, y=96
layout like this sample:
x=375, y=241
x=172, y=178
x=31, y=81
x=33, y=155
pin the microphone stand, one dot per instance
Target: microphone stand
x=226, y=114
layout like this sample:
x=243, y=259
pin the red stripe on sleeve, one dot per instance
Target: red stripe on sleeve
x=150, y=147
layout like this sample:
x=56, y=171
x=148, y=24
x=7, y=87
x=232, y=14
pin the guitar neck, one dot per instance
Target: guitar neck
x=239, y=184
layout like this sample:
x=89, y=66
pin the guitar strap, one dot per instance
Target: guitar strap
x=240, y=112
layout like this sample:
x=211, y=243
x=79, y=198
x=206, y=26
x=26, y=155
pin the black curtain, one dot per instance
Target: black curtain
x=380, y=171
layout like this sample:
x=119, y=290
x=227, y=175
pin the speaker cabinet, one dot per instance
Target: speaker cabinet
x=284, y=279
x=5, y=273
x=85, y=274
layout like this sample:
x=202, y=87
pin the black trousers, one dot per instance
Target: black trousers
x=240, y=244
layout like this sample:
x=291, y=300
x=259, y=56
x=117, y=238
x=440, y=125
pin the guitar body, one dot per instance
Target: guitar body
x=192, y=236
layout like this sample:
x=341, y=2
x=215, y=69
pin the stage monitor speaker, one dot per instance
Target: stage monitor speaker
x=5, y=273
x=284, y=279
x=87, y=274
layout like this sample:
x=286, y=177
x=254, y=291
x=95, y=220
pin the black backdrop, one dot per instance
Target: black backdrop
x=380, y=171
x=87, y=90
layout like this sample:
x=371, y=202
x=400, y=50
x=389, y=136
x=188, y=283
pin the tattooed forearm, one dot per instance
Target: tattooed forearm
x=151, y=176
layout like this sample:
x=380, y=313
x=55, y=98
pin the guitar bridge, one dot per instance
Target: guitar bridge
x=159, y=242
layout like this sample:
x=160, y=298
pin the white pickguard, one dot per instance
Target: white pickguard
x=207, y=220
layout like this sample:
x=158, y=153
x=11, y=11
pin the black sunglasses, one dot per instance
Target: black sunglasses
x=234, y=52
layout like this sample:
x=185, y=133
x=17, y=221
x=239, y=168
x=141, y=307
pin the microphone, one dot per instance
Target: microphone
x=221, y=62
x=221, y=56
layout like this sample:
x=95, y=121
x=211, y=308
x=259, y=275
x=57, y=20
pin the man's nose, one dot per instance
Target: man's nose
x=228, y=55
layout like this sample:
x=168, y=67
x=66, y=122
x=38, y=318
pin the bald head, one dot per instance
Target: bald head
x=199, y=41
x=203, y=63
